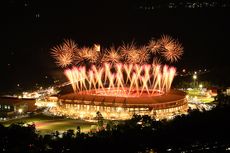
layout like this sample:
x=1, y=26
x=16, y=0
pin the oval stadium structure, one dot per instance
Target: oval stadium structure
x=86, y=104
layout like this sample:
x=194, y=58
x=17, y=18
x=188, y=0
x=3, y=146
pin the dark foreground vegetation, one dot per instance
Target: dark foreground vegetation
x=196, y=132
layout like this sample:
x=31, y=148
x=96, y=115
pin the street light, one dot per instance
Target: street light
x=194, y=78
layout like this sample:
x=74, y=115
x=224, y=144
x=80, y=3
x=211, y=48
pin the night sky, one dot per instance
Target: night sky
x=31, y=28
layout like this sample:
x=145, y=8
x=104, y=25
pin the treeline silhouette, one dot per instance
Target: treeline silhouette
x=206, y=131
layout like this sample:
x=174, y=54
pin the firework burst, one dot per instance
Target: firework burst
x=133, y=56
x=125, y=68
x=172, y=49
x=86, y=54
x=64, y=53
x=154, y=46
x=143, y=55
x=127, y=49
x=112, y=56
x=67, y=53
x=138, y=56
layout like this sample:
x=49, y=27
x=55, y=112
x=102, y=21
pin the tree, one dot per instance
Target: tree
x=78, y=130
x=100, y=119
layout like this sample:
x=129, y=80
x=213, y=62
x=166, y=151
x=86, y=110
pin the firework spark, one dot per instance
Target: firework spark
x=64, y=53
x=156, y=61
x=165, y=39
x=97, y=47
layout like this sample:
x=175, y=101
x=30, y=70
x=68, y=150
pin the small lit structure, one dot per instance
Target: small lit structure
x=194, y=79
x=11, y=106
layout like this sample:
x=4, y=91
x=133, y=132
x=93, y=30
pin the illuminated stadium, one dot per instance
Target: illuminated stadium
x=120, y=82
